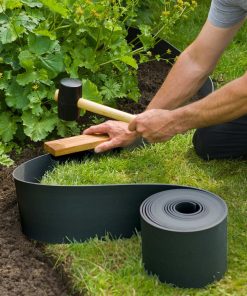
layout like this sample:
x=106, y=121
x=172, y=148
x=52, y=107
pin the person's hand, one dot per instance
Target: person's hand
x=156, y=125
x=118, y=132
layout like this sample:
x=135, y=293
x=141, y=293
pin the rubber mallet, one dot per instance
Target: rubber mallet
x=70, y=101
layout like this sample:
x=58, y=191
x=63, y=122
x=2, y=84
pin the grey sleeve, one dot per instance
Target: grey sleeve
x=225, y=13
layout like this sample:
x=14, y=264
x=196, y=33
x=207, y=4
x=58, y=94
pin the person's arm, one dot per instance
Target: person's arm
x=185, y=78
x=225, y=104
x=228, y=103
x=193, y=67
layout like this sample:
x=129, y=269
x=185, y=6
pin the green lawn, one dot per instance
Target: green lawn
x=114, y=267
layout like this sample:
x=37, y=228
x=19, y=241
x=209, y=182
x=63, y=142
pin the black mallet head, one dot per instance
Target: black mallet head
x=70, y=91
x=69, y=97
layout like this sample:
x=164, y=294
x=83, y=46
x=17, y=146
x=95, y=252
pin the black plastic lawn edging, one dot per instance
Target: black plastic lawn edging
x=184, y=237
x=195, y=254
x=191, y=255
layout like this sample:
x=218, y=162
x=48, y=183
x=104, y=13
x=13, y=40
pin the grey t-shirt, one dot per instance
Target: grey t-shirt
x=226, y=13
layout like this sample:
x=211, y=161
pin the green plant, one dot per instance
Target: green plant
x=42, y=41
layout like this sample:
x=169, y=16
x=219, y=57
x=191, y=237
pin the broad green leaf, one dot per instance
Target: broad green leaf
x=9, y=4
x=72, y=69
x=36, y=108
x=35, y=99
x=26, y=59
x=37, y=95
x=27, y=77
x=42, y=76
x=8, y=74
x=32, y=3
x=38, y=128
x=23, y=23
x=13, y=27
x=67, y=128
x=129, y=86
x=111, y=25
x=47, y=33
x=146, y=37
x=80, y=57
x=36, y=15
x=147, y=42
x=16, y=95
x=8, y=33
x=120, y=66
x=111, y=91
x=53, y=63
x=56, y=7
x=4, y=79
x=7, y=126
x=91, y=92
x=5, y=160
x=42, y=44
x=85, y=57
x=129, y=61
x=9, y=54
x=3, y=83
x=32, y=76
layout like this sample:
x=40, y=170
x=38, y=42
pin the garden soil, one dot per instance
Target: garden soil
x=24, y=268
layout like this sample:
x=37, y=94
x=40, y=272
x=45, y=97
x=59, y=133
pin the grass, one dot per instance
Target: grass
x=114, y=267
x=108, y=267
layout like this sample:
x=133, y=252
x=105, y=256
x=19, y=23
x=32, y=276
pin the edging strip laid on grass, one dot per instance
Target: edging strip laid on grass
x=60, y=214
x=57, y=214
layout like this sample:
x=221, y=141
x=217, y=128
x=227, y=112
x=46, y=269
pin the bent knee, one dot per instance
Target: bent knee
x=201, y=143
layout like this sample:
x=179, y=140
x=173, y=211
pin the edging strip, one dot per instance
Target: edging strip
x=184, y=237
x=187, y=257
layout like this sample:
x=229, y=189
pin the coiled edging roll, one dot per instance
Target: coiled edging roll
x=184, y=237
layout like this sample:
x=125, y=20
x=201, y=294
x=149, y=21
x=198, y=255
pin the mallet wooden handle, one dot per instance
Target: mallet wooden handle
x=102, y=110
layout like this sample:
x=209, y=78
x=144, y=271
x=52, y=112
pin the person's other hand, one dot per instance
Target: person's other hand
x=155, y=125
x=118, y=132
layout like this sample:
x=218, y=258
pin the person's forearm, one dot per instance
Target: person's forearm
x=184, y=80
x=224, y=105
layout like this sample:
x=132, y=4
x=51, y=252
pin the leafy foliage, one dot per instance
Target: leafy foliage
x=42, y=41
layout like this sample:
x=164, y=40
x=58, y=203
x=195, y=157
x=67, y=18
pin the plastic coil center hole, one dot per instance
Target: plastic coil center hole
x=187, y=207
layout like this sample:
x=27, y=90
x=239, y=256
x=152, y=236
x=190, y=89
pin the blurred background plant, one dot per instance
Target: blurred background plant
x=43, y=41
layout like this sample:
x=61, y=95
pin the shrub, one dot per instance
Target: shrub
x=42, y=41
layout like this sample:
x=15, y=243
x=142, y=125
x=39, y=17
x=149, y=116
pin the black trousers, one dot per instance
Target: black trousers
x=223, y=141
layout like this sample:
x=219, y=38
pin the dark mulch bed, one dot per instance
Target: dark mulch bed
x=24, y=269
x=150, y=76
